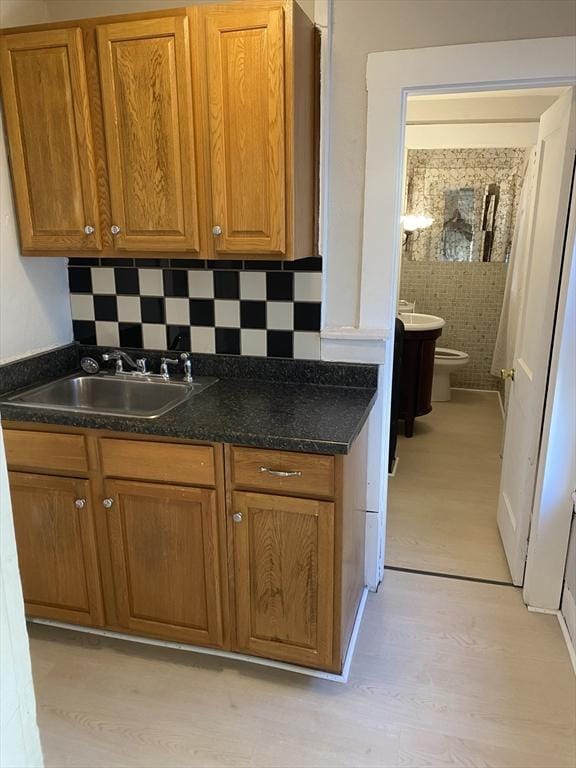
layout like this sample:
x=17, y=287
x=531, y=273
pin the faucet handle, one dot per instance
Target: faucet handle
x=141, y=365
x=109, y=356
x=164, y=363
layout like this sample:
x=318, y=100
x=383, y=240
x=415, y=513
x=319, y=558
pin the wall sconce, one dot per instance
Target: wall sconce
x=412, y=224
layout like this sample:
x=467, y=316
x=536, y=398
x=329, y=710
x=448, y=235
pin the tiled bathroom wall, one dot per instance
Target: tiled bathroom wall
x=259, y=308
x=468, y=295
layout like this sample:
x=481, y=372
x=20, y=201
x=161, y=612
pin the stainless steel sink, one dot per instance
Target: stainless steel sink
x=143, y=397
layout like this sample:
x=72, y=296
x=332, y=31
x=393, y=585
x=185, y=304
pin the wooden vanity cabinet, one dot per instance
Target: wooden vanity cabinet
x=284, y=577
x=53, y=513
x=165, y=556
x=49, y=130
x=251, y=550
x=56, y=547
x=296, y=529
x=204, y=125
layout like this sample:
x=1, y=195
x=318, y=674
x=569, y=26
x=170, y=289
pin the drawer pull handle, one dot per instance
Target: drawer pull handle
x=80, y=503
x=107, y=503
x=281, y=472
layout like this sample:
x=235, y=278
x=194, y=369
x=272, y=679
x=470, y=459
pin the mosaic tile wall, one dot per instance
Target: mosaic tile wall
x=263, y=309
x=469, y=297
x=432, y=172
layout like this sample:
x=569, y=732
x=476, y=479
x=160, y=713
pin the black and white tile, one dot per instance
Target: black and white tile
x=261, y=309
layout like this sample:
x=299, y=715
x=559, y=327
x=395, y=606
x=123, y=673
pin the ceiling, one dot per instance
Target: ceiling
x=518, y=105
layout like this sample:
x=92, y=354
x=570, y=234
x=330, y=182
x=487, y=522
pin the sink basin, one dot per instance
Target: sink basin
x=111, y=395
x=414, y=321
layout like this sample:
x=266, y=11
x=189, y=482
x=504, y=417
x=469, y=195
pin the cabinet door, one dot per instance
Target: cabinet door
x=56, y=547
x=284, y=577
x=245, y=81
x=46, y=106
x=147, y=104
x=165, y=559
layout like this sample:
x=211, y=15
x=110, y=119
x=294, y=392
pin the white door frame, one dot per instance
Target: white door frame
x=391, y=77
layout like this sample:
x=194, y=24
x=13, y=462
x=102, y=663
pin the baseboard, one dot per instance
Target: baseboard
x=564, y=630
x=502, y=411
x=568, y=611
x=394, y=467
x=332, y=676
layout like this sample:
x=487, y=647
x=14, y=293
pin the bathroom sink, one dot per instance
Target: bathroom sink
x=111, y=395
x=414, y=321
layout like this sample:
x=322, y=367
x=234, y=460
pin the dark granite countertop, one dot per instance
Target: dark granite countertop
x=287, y=415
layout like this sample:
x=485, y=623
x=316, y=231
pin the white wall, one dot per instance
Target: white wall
x=78, y=9
x=471, y=135
x=34, y=301
x=363, y=26
x=481, y=107
x=20, y=741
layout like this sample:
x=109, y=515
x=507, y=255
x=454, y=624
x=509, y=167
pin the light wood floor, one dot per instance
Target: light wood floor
x=443, y=499
x=447, y=673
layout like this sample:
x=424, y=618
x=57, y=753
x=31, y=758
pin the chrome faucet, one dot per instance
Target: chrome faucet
x=185, y=357
x=120, y=356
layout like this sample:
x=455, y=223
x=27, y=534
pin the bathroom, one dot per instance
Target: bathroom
x=466, y=195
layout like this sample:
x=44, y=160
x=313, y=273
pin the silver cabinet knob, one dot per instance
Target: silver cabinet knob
x=237, y=517
x=107, y=503
x=88, y=230
x=80, y=503
x=216, y=230
x=115, y=229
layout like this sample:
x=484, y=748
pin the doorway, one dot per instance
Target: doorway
x=468, y=187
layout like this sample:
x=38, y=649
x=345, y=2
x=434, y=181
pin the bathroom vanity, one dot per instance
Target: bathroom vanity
x=417, y=370
x=235, y=521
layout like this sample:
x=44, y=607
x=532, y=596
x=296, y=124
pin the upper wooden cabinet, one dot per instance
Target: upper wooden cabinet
x=147, y=105
x=204, y=126
x=245, y=81
x=257, y=78
x=46, y=106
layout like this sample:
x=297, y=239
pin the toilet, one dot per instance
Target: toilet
x=445, y=361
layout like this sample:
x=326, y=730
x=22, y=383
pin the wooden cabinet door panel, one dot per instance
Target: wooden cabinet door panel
x=56, y=547
x=165, y=559
x=245, y=81
x=147, y=104
x=284, y=577
x=46, y=105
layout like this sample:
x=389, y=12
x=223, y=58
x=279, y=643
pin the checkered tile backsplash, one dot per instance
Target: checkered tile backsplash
x=266, y=309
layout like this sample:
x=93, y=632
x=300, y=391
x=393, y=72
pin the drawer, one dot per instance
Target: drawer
x=45, y=450
x=283, y=471
x=166, y=462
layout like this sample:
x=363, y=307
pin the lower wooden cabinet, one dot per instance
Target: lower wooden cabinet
x=284, y=577
x=249, y=550
x=165, y=559
x=54, y=528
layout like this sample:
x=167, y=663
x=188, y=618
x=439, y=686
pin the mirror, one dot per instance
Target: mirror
x=471, y=197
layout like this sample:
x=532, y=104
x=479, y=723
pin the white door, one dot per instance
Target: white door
x=545, y=246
